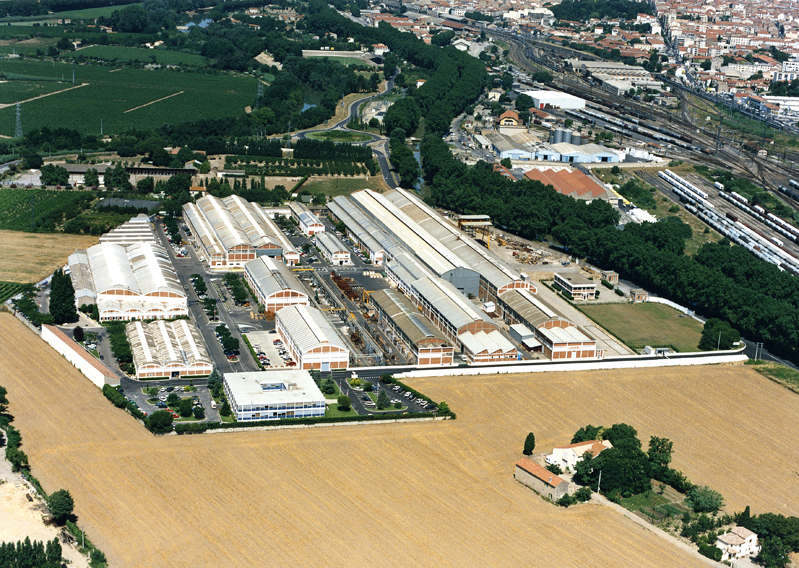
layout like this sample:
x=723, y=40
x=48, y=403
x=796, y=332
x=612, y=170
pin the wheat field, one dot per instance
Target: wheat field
x=29, y=257
x=421, y=494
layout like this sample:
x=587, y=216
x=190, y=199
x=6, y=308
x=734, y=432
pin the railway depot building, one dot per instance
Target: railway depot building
x=311, y=339
x=271, y=395
x=416, y=335
x=443, y=272
x=309, y=223
x=233, y=231
x=168, y=349
x=275, y=286
x=333, y=250
x=127, y=282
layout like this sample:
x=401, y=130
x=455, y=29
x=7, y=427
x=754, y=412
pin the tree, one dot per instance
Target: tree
x=145, y=185
x=54, y=175
x=172, y=398
x=524, y=102
x=621, y=434
x=3, y=400
x=718, y=334
x=61, y=505
x=344, y=403
x=32, y=160
x=185, y=407
x=77, y=334
x=587, y=433
x=660, y=450
x=773, y=553
x=199, y=412
x=225, y=410
x=705, y=65
x=230, y=343
x=117, y=178
x=62, y=298
x=583, y=494
x=383, y=401
x=703, y=499
x=152, y=392
x=505, y=162
x=390, y=62
x=529, y=444
x=91, y=178
x=159, y=422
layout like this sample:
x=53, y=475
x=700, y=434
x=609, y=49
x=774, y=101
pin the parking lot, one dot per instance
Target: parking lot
x=274, y=356
x=133, y=390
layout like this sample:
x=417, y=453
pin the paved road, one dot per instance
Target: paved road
x=187, y=266
x=379, y=143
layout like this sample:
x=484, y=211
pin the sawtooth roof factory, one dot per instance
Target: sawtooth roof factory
x=136, y=281
x=231, y=232
x=443, y=272
x=168, y=349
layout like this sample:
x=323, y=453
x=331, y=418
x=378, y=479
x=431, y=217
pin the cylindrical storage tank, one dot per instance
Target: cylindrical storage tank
x=552, y=136
x=558, y=136
x=567, y=136
x=577, y=139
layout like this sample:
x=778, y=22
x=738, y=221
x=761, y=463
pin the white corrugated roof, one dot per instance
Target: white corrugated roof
x=564, y=334
x=168, y=344
x=271, y=276
x=309, y=328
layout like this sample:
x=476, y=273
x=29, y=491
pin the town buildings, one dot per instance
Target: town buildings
x=271, y=395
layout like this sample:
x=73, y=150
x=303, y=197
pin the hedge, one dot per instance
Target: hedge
x=316, y=420
x=618, y=292
x=606, y=284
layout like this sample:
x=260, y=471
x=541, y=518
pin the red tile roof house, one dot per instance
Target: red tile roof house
x=540, y=480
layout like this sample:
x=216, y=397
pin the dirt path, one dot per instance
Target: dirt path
x=44, y=95
x=601, y=500
x=153, y=102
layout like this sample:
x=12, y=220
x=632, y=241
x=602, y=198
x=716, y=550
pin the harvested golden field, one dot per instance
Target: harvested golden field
x=29, y=257
x=413, y=495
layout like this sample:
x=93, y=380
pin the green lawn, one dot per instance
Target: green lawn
x=28, y=47
x=338, y=186
x=119, y=53
x=349, y=61
x=644, y=500
x=339, y=136
x=332, y=410
x=647, y=324
x=117, y=96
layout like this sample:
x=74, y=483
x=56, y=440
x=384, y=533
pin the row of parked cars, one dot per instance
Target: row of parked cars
x=418, y=400
x=281, y=350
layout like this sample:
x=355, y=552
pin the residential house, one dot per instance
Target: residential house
x=567, y=457
x=737, y=543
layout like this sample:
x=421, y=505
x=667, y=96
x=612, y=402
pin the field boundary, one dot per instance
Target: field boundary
x=323, y=425
x=594, y=365
x=153, y=102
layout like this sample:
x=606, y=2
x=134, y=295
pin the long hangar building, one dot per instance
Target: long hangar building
x=439, y=268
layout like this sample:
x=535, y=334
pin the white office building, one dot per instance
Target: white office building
x=271, y=395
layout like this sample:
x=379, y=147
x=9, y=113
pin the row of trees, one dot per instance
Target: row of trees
x=721, y=281
x=34, y=554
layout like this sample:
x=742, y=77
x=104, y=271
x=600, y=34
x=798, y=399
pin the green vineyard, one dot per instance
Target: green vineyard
x=8, y=289
x=38, y=210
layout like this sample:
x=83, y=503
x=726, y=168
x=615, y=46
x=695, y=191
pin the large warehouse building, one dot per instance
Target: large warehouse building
x=309, y=223
x=418, y=338
x=555, y=99
x=271, y=395
x=311, y=340
x=275, y=286
x=133, y=282
x=168, y=349
x=137, y=230
x=231, y=232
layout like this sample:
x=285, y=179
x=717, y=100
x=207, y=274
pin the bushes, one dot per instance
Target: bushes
x=191, y=428
x=607, y=284
x=116, y=397
x=710, y=551
x=618, y=292
x=159, y=422
x=120, y=346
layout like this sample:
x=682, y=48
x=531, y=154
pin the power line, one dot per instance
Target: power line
x=18, y=130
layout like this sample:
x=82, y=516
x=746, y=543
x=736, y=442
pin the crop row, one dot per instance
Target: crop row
x=8, y=289
x=38, y=209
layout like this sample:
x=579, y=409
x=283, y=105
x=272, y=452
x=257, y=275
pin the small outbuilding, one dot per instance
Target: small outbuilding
x=540, y=480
